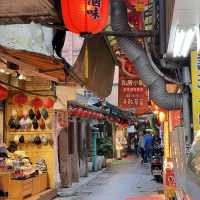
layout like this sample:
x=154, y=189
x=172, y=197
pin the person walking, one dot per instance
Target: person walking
x=141, y=145
x=148, y=142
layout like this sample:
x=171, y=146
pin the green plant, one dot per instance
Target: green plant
x=105, y=147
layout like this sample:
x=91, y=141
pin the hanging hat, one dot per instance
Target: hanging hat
x=11, y=122
x=31, y=139
x=28, y=124
x=44, y=113
x=37, y=140
x=21, y=139
x=16, y=139
x=38, y=114
x=44, y=140
x=31, y=114
x=35, y=124
x=42, y=124
x=22, y=123
x=17, y=124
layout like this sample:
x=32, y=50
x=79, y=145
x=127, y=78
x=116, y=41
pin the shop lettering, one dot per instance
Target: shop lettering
x=198, y=69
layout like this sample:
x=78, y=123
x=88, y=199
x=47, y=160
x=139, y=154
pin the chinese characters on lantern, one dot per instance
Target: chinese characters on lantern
x=94, y=8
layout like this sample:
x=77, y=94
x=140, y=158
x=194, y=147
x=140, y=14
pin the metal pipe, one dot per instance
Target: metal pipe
x=136, y=54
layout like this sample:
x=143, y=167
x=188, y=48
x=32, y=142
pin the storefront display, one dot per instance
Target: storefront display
x=26, y=159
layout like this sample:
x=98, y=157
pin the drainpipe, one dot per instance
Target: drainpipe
x=137, y=55
x=186, y=105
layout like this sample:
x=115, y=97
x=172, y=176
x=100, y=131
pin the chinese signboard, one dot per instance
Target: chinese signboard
x=175, y=117
x=132, y=94
x=195, y=58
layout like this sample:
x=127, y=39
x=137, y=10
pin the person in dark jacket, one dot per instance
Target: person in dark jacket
x=148, y=142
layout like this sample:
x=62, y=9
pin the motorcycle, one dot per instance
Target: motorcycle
x=157, y=165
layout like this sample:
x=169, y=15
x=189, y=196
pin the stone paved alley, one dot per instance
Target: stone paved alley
x=124, y=180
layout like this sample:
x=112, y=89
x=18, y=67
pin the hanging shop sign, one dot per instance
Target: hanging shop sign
x=81, y=16
x=175, y=117
x=132, y=92
x=195, y=63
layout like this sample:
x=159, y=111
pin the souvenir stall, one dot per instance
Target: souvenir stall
x=27, y=164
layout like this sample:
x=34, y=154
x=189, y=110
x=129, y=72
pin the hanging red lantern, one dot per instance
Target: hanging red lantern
x=79, y=112
x=85, y=16
x=48, y=102
x=20, y=99
x=37, y=102
x=137, y=4
x=3, y=93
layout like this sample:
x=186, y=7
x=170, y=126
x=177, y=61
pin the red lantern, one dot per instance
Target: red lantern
x=3, y=93
x=85, y=16
x=20, y=99
x=37, y=102
x=79, y=112
x=48, y=102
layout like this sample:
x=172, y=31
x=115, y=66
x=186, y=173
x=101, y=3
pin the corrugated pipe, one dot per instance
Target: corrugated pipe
x=136, y=54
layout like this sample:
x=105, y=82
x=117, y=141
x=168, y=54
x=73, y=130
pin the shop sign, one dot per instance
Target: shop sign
x=133, y=94
x=195, y=63
x=170, y=183
x=175, y=119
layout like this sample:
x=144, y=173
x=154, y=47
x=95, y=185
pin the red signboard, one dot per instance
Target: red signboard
x=132, y=93
x=176, y=118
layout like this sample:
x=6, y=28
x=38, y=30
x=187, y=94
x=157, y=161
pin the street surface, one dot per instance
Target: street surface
x=124, y=180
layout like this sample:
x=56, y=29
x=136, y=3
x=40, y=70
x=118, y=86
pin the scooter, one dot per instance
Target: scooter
x=157, y=165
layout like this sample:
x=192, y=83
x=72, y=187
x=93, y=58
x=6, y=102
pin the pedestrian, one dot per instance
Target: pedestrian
x=141, y=146
x=148, y=142
x=136, y=140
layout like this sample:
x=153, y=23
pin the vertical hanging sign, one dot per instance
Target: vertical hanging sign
x=133, y=94
x=195, y=59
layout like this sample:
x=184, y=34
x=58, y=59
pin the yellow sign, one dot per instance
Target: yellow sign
x=166, y=140
x=195, y=59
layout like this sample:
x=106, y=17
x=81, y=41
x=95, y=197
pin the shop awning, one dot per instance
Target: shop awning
x=24, y=12
x=34, y=64
x=94, y=67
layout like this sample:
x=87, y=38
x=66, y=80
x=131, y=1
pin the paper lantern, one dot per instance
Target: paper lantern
x=3, y=93
x=48, y=102
x=137, y=4
x=20, y=99
x=85, y=16
x=37, y=102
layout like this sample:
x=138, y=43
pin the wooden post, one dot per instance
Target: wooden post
x=83, y=150
x=64, y=158
x=75, y=157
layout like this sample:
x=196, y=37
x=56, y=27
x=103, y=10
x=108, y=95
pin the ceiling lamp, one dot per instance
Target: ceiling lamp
x=183, y=41
x=85, y=16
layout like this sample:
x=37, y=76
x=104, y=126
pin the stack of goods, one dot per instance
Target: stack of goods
x=41, y=166
x=23, y=168
x=5, y=164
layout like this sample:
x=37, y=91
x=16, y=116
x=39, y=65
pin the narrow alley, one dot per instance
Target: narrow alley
x=124, y=180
